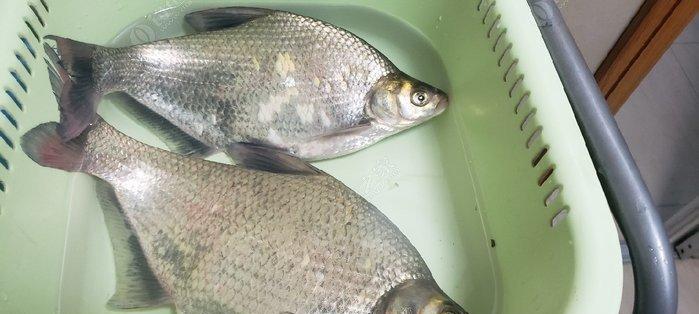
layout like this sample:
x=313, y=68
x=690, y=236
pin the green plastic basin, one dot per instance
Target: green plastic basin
x=498, y=194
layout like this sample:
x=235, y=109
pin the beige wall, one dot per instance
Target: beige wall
x=597, y=24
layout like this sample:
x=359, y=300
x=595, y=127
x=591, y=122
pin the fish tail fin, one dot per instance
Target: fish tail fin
x=44, y=146
x=78, y=94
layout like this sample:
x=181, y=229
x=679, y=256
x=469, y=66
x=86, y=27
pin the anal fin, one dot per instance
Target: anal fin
x=176, y=140
x=136, y=285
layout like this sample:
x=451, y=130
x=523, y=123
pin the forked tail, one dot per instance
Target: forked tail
x=44, y=145
x=72, y=80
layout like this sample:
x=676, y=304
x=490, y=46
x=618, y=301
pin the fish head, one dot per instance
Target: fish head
x=400, y=101
x=417, y=297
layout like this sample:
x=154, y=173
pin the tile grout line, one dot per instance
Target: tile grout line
x=684, y=72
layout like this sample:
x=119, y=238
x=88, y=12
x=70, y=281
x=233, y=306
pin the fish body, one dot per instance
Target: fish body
x=252, y=75
x=236, y=239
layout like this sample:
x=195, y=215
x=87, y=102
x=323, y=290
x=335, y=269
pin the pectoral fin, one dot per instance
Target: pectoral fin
x=215, y=19
x=358, y=129
x=343, y=142
x=136, y=285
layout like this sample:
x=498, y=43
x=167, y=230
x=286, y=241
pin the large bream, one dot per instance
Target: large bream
x=251, y=75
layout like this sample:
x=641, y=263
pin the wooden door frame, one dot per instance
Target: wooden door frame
x=649, y=34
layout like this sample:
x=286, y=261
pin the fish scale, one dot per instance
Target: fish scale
x=269, y=77
x=282, y=79
x=274, y=234
x=264, y=226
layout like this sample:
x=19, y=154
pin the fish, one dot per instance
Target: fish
x=269, y=77
x=271, y=234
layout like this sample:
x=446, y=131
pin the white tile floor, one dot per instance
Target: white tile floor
x=661, y=125
x=597, y=24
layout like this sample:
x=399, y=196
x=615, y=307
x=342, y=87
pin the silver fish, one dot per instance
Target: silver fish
x=252, y=75
x=274, y=235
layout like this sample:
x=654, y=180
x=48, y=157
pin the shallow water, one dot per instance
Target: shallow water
x=405, y=176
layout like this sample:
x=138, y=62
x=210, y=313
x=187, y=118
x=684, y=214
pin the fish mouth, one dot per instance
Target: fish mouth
x=441, y=105
x=454, y=308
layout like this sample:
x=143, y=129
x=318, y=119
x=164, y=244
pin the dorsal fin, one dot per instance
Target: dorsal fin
x=215, y=19
x=264, y=158
x=136, y=285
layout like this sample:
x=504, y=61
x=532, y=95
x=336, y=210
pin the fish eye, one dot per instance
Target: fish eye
x=419, y=98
